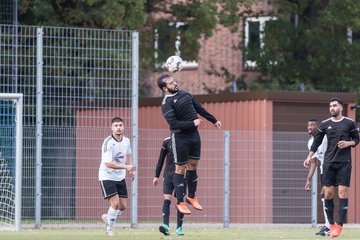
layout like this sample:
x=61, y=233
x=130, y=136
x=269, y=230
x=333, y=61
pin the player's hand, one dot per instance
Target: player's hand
x=130, y=167
x=307, y=185
x=307, y=163
x=344, y=144
x=218, y=124
x=155, y=181
x=132, y=175
x=197, y=122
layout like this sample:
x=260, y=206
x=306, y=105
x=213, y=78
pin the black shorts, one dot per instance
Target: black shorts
x=185, y=146
x=168, y=186
x=110, y=188
x=336, y=173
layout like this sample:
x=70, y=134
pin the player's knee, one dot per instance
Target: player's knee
x=192, y=165
x=343, y=192
x=180, y=169
x=122, y=206
x=167, y=197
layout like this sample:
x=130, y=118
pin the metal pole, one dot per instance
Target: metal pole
x=39, y=124
x=226, y=179
x=135, y=126
x=18, y=162
x=15, y=46
x=314, y=199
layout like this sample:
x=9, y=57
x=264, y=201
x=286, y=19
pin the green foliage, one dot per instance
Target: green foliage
x=232, y=12
x=237, y=82
x=200, y=18
x=84, y=13
x=315, y=52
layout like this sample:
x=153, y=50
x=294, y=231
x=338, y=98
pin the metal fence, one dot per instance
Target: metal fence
x=74, y=81
x=62, y=72
x=244, y=177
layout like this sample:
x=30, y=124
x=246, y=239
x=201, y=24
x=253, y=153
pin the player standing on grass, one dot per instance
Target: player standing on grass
x=181, y=109
x=342, y=134
x=115, y=160
x=168, y=187
x=312, y=126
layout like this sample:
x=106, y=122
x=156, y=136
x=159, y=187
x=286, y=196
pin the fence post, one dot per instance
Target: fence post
x=226, y=179
x=135, y=126
x=39, y=124
x=314, y=199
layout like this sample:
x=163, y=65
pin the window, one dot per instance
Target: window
x=352, y=36
x=168, y=42
x=254, y=38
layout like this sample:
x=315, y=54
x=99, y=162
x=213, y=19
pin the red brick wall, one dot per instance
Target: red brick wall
x=219, y=50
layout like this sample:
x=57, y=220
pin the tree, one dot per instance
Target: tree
x=315, y=50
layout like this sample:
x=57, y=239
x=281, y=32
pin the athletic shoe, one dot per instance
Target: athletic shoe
x=181, y=207
x=324, y=231
x=194, y=202
x=179, y=231
x=164, y=229
x=109, y=233
x=335, y=230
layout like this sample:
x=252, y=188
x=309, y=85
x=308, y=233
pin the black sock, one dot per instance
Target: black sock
x=166, y=211
x=191, y=180
x=343, y=206
x=178, y=180
x=179, y=220
x=329, y=209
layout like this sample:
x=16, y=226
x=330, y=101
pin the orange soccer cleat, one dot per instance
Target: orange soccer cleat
x=181, y=207
x=335, y=230
x=194, y=202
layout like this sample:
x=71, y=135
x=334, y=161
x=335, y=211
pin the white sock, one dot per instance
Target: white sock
x=327, y=224
x=111, y=217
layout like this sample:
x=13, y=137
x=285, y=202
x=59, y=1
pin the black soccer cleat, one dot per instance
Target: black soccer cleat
x=324, y=231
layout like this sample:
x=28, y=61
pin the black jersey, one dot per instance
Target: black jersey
x=180, y=110
x=166, y=152
x=343, y=129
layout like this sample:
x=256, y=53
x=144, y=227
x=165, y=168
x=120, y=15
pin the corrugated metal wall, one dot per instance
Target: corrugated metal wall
x=278, y=112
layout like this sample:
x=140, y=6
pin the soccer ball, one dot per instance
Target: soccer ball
x=174, y=64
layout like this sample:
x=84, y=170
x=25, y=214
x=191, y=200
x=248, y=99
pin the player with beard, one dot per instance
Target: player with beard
x=181, y=109
x=342, y=134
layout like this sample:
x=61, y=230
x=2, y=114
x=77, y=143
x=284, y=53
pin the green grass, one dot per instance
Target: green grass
x=149, y=233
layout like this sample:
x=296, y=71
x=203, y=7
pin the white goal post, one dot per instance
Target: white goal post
x=11, y=138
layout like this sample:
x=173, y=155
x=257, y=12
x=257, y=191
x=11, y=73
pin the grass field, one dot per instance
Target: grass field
x=149, y=233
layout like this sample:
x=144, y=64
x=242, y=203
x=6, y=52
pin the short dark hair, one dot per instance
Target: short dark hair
x=117, y=119
x=313, y=120
x=336, y=99
x=160, y=80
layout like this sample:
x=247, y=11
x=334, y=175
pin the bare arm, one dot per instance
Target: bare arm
x=308, y=159
x=128, y=162
x=115, y=165
x=310, y=174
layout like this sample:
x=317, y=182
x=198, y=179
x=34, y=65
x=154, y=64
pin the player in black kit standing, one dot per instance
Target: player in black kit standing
x=181, y=110
x=342, y=134
x=168, y=187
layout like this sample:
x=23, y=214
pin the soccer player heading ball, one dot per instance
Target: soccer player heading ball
x=181, y=109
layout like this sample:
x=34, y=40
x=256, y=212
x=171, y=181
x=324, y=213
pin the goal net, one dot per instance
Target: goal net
x=10, y=160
